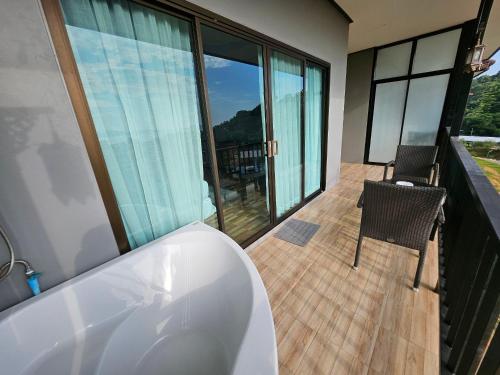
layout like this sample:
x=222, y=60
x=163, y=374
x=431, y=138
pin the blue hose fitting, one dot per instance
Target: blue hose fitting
x=33, y=283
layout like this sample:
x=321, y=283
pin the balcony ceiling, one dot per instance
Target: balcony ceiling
x=492, y=34
x=380, y=22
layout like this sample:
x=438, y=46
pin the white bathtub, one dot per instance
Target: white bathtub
x=191, y=302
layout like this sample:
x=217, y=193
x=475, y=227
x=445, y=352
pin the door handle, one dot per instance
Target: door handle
x=275, y=148
x=272, y=148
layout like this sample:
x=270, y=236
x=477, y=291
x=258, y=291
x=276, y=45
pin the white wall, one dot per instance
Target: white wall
x=49, y=202
x=313, y=26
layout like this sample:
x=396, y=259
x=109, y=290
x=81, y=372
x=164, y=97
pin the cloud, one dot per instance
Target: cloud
x=212, y=62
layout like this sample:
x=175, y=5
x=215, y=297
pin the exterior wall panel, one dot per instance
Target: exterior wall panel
x=50, y=205
x=357, y=98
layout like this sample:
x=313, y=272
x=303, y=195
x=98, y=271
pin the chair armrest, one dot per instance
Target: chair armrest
x=386, y=168
x=435, y=175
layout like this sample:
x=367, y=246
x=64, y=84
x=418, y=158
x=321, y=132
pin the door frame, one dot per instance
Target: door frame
x=197, y=16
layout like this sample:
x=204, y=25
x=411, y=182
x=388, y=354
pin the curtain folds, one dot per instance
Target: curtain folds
x=137, y=69
x=286, y=87
x=313, y=129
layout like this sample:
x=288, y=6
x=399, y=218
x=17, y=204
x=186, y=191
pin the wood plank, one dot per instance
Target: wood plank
x=330, y=319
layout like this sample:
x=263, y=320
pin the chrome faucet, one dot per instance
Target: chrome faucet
x=6, y=268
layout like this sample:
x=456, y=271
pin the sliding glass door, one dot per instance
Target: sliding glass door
x=423, y=110
x=287, y=86
x=137, y=68
x=235, y=81
x=388, y=109
x=189, y=120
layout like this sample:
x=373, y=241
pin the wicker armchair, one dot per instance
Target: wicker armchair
x=415, y=164
x=402, y=215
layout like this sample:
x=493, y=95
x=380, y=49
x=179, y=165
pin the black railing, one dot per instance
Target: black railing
x=241, y=160
x=241, y=165
x=469, y=264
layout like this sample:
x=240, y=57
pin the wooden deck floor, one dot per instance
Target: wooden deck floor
x=243, y=218
x=331, y=319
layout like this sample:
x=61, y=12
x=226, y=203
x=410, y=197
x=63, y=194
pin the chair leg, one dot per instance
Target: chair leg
x=434, y=230
x=358, y=252
x=420, y=268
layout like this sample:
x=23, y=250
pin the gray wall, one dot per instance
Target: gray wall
x=49, y=202
x=313, y=26
x=357, y=97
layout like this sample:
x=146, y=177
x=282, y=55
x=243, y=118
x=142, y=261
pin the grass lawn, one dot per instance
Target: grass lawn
x=491, y=170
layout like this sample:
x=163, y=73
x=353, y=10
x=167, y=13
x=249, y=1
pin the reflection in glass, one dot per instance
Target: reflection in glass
x=313, y=129
x=234, y=73
x=287, y=85
x=137, y=69
x=423, y=110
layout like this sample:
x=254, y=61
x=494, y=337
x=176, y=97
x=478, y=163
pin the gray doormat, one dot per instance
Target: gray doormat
x=297, y=232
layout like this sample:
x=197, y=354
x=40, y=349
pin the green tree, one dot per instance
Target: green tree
x=482, y=113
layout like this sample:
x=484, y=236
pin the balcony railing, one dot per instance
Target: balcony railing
x=470, y=265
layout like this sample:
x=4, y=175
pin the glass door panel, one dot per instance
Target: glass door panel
x=235, y=81
x=436, y=52
x=388, y=112
x=314, y=107
x=137, y=69
x=423, y=110
x=287, y=85
x=393, y=61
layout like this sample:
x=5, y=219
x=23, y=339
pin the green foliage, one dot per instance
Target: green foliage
x=243, y=128
x=482, y=114
x=489, y=150
x=492, y=170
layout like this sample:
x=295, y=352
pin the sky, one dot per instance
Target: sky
x=232, y=86
x=496, y=66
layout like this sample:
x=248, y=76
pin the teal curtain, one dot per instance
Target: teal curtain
x=287, y=86
x=137, y=69
x=313, y=129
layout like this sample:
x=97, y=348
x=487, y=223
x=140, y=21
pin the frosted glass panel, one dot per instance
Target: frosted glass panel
x=393, y=61
x=287, y=87
x=436, y=52
x=423, y=110
x=387, y=117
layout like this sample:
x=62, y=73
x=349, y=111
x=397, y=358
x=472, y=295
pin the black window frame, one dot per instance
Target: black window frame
x=454, y=72
x=197, y=16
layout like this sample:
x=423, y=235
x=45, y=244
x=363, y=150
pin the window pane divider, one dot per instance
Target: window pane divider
x=207, y=120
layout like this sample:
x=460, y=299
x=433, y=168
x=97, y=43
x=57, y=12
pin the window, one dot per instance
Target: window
x=189, y=119
x=409, y=87
x=137, y=68
x=235, y=80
